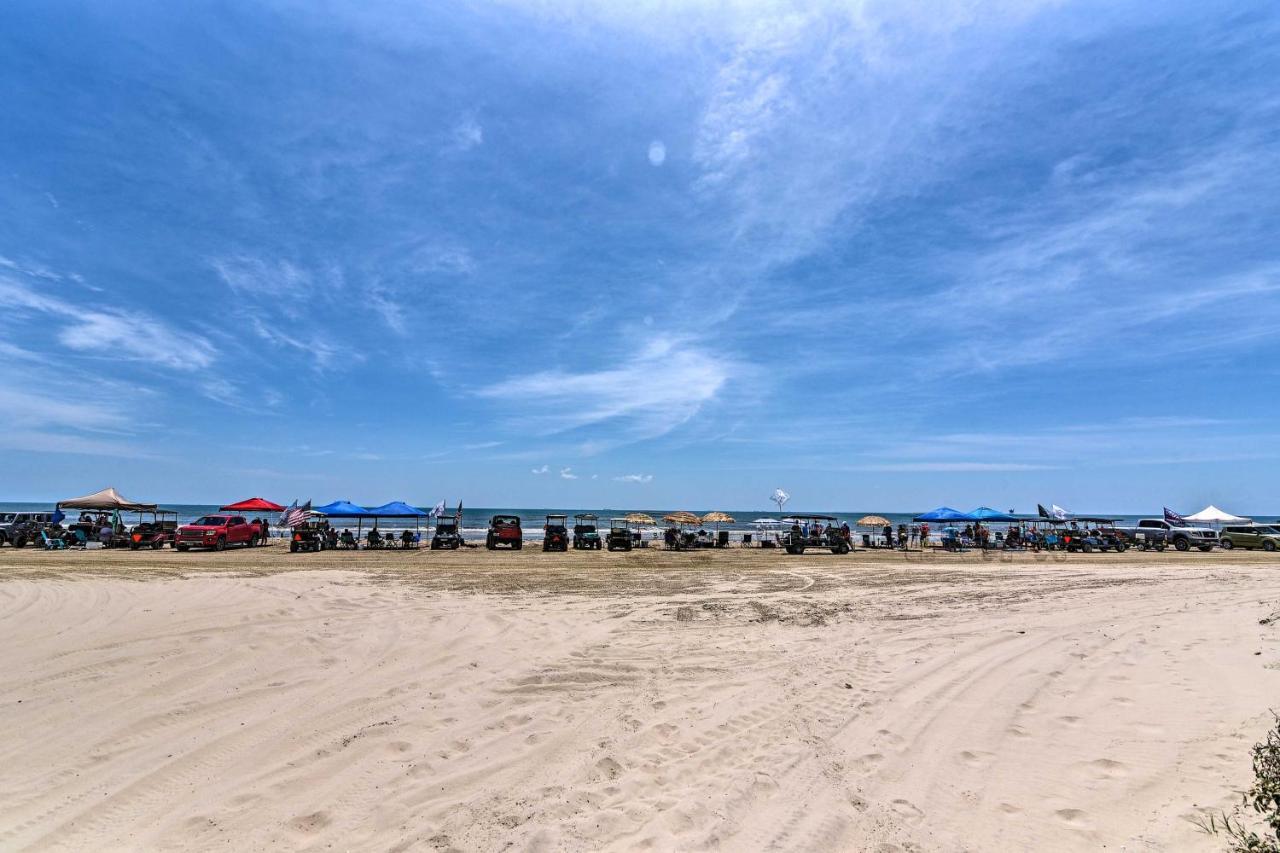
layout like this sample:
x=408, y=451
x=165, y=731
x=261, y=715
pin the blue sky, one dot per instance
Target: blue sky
x=883, y=255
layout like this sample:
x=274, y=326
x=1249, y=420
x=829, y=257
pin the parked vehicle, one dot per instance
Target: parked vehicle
x=24, y=527
x=1087, y=534
x=1250, y=536
x=555, y=533
x=814, y=531
x=160, y=530
x=619, y=538
x=505, y=530
x=217, y=532
x=446, y=536
x=1183, y=538
x=311, y=535
x=585, y=533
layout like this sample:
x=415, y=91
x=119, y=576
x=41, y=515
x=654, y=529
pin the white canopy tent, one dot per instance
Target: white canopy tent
x=1212, y=515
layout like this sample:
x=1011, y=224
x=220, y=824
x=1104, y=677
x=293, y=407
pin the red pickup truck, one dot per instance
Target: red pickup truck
x=217, y=532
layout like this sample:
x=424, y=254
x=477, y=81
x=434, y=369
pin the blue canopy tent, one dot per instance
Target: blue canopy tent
x=345, y=509
x=396, y=509
x=943, y=513
x=342, y=509
x=986, y=513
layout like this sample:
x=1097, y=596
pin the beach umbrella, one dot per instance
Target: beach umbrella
x=682, y=517
x=638, y=518
x=718, y=518
x=872, y=521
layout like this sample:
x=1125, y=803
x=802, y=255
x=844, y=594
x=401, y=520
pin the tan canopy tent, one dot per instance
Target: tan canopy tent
x=107, y=499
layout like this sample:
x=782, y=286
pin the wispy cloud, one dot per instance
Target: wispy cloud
x=567, y=474
x=542, y=470
x=112, y=334
x=648, y=395
x=634, y=478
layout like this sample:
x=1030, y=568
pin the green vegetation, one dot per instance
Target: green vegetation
x=1260, y=804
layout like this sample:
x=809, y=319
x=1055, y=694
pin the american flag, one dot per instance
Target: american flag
x=295, y=515
x=1173, y=518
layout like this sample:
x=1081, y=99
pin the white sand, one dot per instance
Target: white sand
x=803, y=704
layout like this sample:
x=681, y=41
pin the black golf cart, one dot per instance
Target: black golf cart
x=619, y=538
x=447, y=537
x=585, y=534
x=815, y=531
x=555, y=533
x=311, y=535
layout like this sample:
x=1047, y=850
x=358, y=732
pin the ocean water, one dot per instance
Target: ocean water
x=475, y=520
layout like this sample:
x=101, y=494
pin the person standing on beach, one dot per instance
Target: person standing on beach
x=924, y=536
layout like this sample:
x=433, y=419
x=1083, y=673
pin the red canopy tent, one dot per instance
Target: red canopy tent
x=252, y=505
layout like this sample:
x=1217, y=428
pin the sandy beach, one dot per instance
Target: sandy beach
x=738, y=700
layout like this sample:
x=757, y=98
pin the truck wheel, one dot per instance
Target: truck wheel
x=181, y=548
x=1227, y=544
x=1121, y=547
x=221, y=544
x=1268, y=545
x=293, y=547
x=517, y=546
x=488, y=543
x=19, y=542
x=1182, y=544
x=1160, y=548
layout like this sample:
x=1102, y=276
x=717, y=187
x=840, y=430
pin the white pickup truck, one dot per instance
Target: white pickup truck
x=1184, y=538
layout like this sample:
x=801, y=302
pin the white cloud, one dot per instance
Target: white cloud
x=110, y=333
x=634, y=478
x=279, y=280
x=543, y=470
x=466, y=134
x=657, y=152
x=649, y=394
x=567, y=474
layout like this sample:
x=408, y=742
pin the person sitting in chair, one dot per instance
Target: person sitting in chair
x=348, y=540
x=406, y=539
x=374, y=538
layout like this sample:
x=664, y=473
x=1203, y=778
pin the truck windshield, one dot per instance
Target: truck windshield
x=211, y=521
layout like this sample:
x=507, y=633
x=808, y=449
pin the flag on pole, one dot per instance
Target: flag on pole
x=295, y=514
x=1058, y=512
x=1173, y=518
x=438, y=510
x=1044, y=513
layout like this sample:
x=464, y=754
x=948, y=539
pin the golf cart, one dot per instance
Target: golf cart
x=585, y=534
x=814, y=531
x=151, y=534
x=619, y=538
x=504, y=530
x=446, y=536
x=555, y=533
x=1098, y=534
x=310, y=535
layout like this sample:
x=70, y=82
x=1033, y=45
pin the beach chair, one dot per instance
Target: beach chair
x=51, y=541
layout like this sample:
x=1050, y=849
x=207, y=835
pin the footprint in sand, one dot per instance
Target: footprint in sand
x=605, y=768
x=311, y=823
x=975, y=758
x=869, y=762
x=1069, y=720
x=1074, y=818
x=906, y=810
